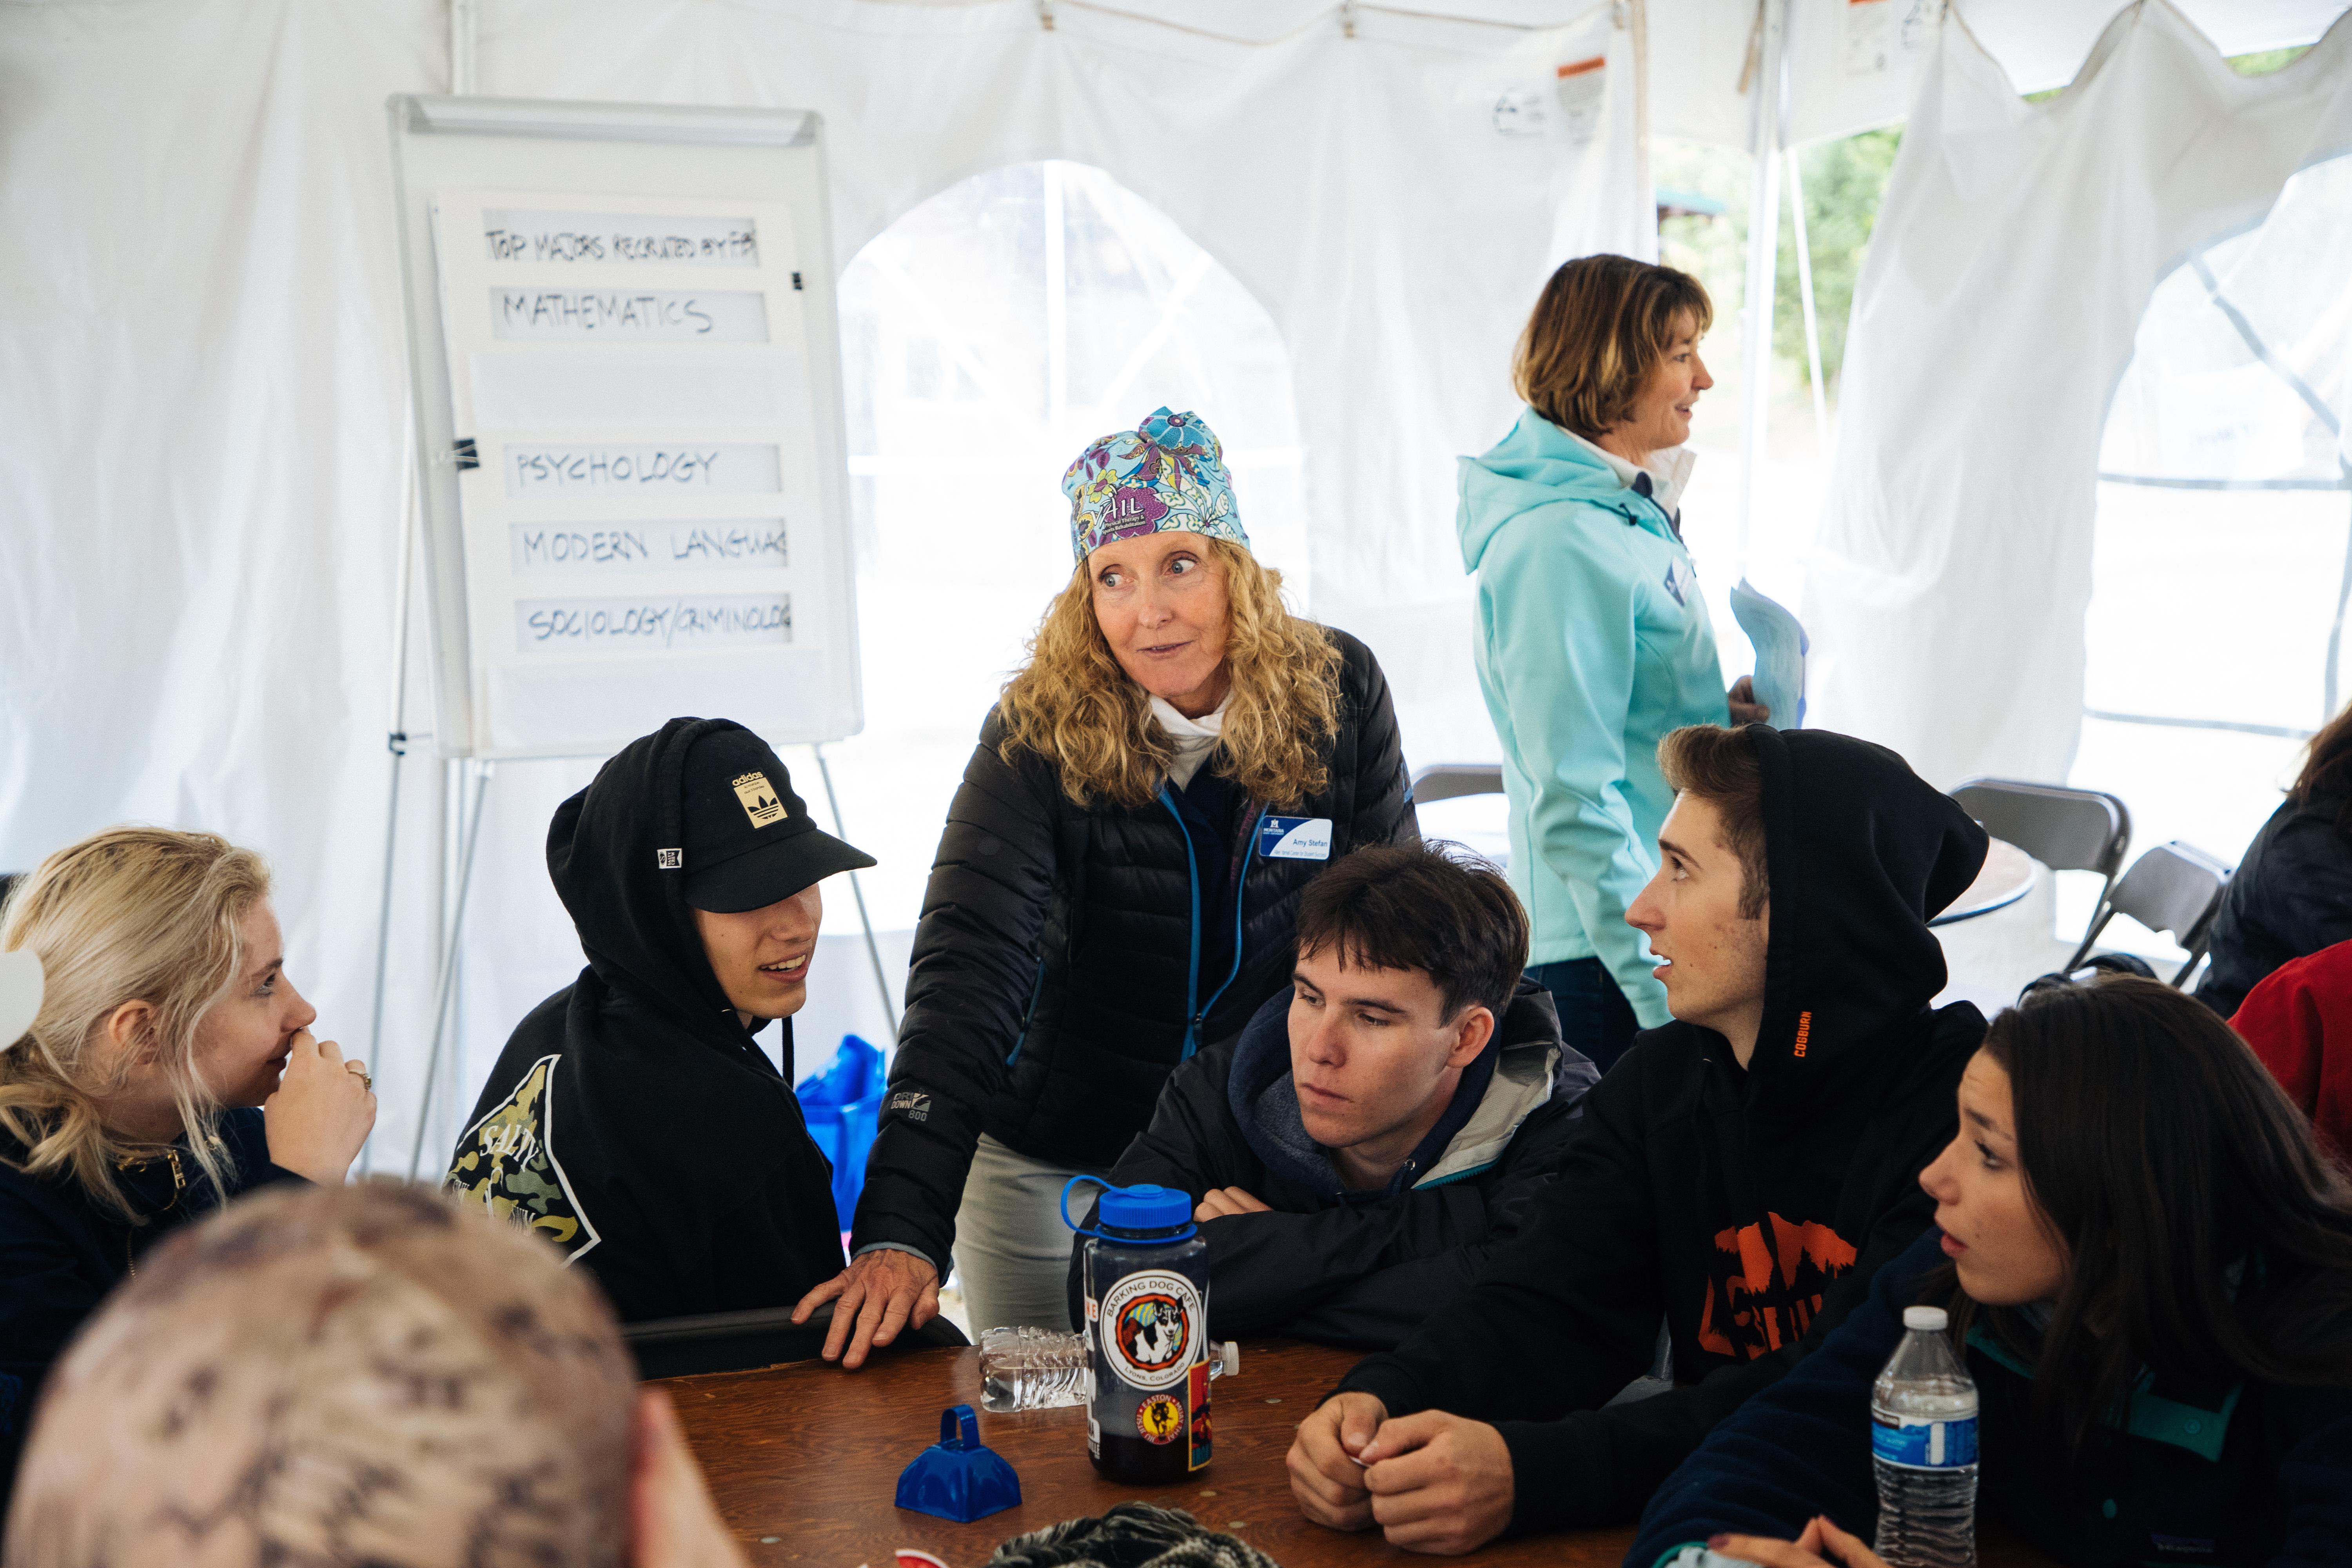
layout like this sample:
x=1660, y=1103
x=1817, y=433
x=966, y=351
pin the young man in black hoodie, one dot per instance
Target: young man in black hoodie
x=633, y=1119
x=1741, y=1172
x=1376, y=1132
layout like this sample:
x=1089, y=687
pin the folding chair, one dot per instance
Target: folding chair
x=2174, y=888
x=1444, y=781
x=2065, y=830
x=739, y=1342
x=1451, y=781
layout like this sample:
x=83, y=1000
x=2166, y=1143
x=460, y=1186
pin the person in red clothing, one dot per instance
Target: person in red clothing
x=2299, y=1021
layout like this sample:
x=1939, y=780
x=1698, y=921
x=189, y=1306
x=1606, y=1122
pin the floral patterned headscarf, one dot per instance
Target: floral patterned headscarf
x=1168, y=475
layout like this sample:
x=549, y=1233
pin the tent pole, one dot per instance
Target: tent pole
x=448, y=980
x=1644, y=185
x=1805, y=293
x=463, y=29
x=1763, y=263
x=857, y=892
x=396, y=741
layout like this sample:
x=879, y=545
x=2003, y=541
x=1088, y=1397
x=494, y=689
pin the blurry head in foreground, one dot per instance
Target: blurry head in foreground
x=353, y=1374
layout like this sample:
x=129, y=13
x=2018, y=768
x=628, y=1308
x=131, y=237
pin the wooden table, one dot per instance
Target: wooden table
x=805, y=1459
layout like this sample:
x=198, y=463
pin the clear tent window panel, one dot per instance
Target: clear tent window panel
x=2223, y=544
x=988, y=335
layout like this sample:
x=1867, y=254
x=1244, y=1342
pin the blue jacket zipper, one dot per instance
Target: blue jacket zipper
x=1240, y=879
x=1195, y=1010
x=1192, y=966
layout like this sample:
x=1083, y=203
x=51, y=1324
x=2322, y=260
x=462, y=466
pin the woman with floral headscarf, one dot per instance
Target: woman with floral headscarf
x=1116, y=883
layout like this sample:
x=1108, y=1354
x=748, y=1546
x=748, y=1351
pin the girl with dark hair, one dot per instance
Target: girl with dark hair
x=2291, y=894
x=2149, y=1267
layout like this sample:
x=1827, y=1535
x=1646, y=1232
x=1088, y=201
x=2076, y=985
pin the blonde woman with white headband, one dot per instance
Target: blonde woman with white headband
x=169, y=1066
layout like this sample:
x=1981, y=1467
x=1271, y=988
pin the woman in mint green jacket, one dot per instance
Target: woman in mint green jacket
x=1592, y=638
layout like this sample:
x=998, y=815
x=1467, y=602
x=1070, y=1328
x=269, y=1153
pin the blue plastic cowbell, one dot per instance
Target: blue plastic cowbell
x=956, y=1478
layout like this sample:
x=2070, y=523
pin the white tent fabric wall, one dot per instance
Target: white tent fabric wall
x=204, y=398
x=1311, y=167
x=1306, y=167
x=202, y=466
x=204, y=470
x=1946, y=594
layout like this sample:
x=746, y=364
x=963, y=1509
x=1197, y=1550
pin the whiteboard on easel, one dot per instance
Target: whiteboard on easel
x=625, y=368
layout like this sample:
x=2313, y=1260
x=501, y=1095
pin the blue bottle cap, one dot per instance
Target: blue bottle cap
x=1145, y=1208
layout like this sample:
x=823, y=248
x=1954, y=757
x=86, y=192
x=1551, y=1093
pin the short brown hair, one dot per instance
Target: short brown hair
x=1720, y=767
x=1433, y=907
x=1600, y=327
x=349, y=1373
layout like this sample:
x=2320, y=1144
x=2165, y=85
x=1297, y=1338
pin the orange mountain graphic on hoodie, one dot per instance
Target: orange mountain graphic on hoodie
x=1745, y=1315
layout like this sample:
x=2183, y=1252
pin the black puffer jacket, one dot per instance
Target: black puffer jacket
x=2292, y=895
x=1057, y=975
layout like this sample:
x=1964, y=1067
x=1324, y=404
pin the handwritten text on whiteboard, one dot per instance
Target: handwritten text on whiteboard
x=517, y=235
x=738, y=469
x=697, y=621
x=641, y=546
x=572, y=314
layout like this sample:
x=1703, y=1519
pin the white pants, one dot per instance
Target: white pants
x=1012, y=1249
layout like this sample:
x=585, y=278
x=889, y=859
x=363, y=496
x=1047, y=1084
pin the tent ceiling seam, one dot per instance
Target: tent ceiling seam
x=1323, y=18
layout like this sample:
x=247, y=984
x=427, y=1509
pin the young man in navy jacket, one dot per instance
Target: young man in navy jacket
x=1378, y=1129
x=1740, y=1173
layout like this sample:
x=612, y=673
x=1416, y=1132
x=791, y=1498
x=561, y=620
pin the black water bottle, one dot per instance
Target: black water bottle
x=1147, y=1284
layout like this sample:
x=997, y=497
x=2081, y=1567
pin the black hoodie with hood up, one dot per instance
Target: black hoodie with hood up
x=631, y=1120
x=1746, y=1207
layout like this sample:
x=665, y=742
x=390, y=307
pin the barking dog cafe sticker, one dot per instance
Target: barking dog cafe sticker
x=1151, y=1326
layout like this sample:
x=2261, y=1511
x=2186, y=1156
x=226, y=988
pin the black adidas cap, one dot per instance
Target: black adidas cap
x=750, y=840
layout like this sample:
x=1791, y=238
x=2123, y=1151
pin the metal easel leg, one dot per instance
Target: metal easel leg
x=864, y=920
x=446, y=985
x=396, y=741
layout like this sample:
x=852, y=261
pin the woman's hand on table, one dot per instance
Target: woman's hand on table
x=1823, y=1545
x=1439, y=1483
x=320, y=1113
x=1745, y=709
x=1324, y=1475
x=879, y=1294
x=1220, y=1202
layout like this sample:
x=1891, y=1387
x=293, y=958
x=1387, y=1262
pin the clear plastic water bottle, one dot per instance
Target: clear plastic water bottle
x=1044, y=1369
x=1032, y=1369
x=1923, y=1439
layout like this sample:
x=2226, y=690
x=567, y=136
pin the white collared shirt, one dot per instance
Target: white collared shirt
x=1669, y=469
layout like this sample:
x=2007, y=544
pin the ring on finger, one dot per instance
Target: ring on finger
x=365, y=1082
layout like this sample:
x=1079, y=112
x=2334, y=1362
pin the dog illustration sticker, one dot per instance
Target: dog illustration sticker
x=1151, y=1327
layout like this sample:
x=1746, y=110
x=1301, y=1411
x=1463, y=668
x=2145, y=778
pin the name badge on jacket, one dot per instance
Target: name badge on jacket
x=1294, y=838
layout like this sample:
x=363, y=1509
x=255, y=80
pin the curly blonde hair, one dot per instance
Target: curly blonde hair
x=130, y=914
x=1072, y=704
